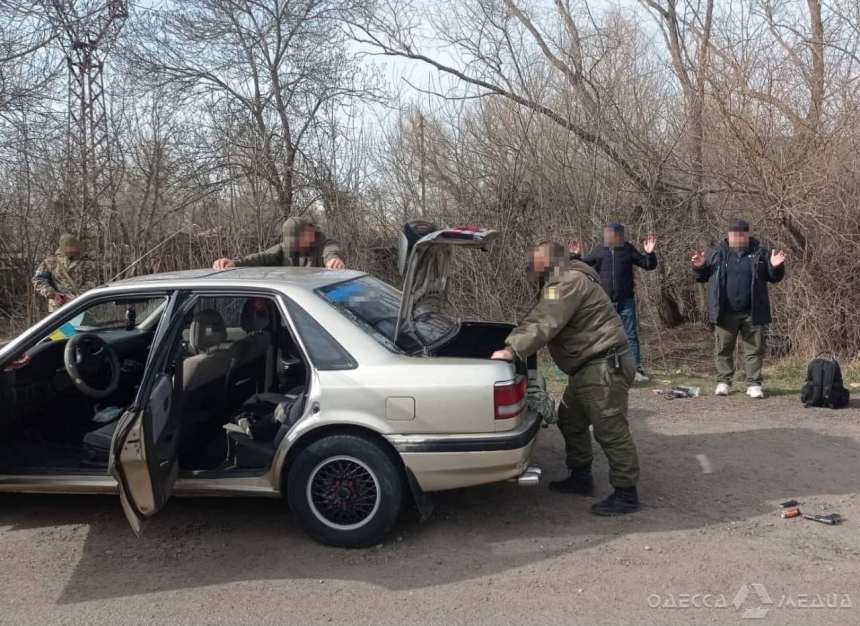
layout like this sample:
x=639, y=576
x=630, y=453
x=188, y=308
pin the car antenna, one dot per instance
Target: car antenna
x=150, y=251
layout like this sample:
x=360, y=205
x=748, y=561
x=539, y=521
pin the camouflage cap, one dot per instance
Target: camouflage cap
x=68, y=240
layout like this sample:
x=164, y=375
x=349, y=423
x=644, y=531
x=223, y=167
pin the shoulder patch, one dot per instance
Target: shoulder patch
x=552, y=292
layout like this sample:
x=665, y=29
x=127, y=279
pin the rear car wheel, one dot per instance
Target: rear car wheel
x=346, y=491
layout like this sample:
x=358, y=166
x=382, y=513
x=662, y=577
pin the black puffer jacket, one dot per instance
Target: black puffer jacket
x=615, y=266
x=714, y=273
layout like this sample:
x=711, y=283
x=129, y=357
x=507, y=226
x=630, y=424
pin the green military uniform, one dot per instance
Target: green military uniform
x=577, y=322
x=285, y=254
x=60, y=275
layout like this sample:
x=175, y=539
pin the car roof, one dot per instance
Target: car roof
x=301, y=277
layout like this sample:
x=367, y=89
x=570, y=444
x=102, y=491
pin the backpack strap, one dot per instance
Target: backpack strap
x=814, y=384
x=827, y=383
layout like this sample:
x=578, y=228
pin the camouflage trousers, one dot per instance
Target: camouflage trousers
x=596, y=396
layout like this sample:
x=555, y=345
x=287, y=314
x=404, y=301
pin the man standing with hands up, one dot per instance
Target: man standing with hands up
x=614, y=261
x=738, y=271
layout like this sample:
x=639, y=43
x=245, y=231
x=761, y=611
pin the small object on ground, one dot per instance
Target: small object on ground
x=788, y=503
x=723, y=390
x=685, y=392
x=854, y=385
x=789, y=513
x=658, y=392
x=692, y=392
x=755, y=392
x=832, y=519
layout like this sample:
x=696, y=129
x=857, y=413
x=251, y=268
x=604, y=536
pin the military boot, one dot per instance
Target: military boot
x=622, y=502
x=578, y=481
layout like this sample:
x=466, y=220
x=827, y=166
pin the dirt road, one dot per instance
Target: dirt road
x=713, y=473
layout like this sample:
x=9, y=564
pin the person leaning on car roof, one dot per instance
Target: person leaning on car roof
x=577, y=322
x=303, y=244
x=64, y=275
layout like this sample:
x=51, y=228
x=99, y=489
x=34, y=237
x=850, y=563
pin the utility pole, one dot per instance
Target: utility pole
x=91, y=26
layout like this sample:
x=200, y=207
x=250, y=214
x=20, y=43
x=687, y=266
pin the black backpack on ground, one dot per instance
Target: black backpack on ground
x=824, y=387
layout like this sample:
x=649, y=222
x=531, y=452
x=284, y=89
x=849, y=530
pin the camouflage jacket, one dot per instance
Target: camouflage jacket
x=574, y=319
x=284, y=254
x=58, y=274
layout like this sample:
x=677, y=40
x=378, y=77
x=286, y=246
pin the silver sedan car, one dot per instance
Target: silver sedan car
x=330, y=388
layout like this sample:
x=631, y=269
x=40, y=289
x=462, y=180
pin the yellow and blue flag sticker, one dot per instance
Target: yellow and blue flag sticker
x=63, y=332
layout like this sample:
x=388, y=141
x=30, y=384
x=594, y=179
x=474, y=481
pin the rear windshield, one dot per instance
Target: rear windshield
x=373, y=306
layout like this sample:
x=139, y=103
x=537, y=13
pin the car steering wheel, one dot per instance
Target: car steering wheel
x=84, y=355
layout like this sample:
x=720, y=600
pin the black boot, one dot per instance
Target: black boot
x=578, y=481
x=622, y=502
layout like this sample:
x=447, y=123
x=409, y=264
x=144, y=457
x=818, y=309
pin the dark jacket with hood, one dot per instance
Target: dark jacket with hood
x=284, y=254
x=761, y=273
x=615, y=267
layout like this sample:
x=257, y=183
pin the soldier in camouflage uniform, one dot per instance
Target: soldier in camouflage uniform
x=302, y=245
x=64, y=275
x=577, y=322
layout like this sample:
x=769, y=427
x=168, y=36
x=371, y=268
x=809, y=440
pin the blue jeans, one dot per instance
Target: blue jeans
x=627, y=311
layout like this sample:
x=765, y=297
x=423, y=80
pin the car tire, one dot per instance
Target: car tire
x=345, y=490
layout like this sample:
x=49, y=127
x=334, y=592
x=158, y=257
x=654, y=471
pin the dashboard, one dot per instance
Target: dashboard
x=39, y=383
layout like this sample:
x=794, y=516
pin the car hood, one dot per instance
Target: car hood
x=426, y=280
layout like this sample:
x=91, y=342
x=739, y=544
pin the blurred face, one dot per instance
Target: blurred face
x=540, y=261
x=306, y=240
x=543, y=258
x=71, y=251
x=612, y=238
x=739, y=239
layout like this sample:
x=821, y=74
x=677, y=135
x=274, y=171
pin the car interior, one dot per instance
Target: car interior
x=235, y=366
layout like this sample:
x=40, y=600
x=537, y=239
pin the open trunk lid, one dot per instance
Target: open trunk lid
x=424, y=259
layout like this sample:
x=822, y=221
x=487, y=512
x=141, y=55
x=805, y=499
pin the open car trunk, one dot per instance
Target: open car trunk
x=478, y=340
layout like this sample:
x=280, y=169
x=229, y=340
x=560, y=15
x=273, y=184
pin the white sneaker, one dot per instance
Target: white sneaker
x=723, y=390
x=755, y=392
x=641, y=377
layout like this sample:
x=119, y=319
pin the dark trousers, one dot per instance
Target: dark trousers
x=627, y=311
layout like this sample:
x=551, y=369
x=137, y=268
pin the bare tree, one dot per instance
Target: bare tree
x=271, y=65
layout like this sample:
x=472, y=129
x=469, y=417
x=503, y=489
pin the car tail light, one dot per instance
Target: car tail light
x=509, y=398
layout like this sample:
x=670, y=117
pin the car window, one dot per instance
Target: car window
x=374, y=306
x=229, y=308
x=324, y=351
x=114, y=315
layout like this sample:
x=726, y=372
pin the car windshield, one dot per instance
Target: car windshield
x=374, y=306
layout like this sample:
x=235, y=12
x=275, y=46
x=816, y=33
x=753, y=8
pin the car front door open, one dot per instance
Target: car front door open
x=144, y=450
